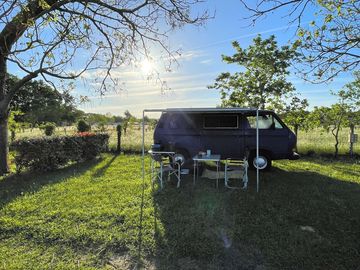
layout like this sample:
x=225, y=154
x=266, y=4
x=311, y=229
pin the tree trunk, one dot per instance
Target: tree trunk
x=118, y=148
x=351, y=150
x=4, y=148
x=4, y=116
x=296, y=127
x=335, y=132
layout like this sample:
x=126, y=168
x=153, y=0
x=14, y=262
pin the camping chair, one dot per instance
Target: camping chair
x=236, y=165
x=164, y=164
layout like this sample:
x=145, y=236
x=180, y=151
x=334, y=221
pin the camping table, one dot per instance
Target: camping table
x=169, y=154
x=204, y=158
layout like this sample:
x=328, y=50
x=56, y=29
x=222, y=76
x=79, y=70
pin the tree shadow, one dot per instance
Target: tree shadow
x=298, y=220
x=101, y=171
x=16, y=185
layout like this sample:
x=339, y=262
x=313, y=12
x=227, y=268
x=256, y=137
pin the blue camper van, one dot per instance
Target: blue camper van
x=230, y=132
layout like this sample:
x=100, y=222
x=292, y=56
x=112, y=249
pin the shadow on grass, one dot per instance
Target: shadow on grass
x=299, y=220
x=101, y=171
x=16, y=185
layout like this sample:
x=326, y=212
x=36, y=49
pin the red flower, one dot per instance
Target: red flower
x=86, y=134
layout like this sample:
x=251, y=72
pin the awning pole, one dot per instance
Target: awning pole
x=143, y=146
x=257, y=150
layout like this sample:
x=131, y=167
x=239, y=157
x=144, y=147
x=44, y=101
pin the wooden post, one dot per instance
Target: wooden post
x=118, y=131
x=351, y=150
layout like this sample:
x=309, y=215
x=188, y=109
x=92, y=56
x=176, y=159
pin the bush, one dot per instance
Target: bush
x=118, y=128
x=44, y=154
x=83, y=126
x=49, y=129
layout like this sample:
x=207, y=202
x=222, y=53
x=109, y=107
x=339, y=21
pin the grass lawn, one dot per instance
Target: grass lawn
x=99, y=216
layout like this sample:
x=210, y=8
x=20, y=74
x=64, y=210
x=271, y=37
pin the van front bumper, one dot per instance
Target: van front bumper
x=294, y=156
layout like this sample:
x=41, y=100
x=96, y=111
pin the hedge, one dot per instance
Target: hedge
x=45, y=154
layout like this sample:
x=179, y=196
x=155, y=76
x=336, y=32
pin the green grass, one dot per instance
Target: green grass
x=322, y=142
x=99, y=216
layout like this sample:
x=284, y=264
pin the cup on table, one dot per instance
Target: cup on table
x=208, y=153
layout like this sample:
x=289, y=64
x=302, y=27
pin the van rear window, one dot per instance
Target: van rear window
x=221, y=121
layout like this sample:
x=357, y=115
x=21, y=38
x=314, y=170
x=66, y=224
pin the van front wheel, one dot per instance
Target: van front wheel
x=263, y=163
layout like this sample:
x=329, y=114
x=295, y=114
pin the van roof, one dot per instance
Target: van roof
x=214, y=110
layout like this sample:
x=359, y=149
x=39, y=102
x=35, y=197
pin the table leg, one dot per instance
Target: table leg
x=161, y=175
x=194, y=172
x=217, y=174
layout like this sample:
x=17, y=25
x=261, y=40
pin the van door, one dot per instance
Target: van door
x=273, y=135
x=220, y=134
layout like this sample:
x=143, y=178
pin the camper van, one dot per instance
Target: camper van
x=230, y=132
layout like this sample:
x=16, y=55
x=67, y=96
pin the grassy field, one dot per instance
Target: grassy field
x=316, y=140
x=100, y=215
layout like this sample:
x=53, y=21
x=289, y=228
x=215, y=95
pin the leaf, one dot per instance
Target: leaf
x=300, y=33
x=43, y=4
x=328, y=18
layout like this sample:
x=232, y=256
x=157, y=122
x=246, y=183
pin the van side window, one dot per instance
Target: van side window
x=266, y=121
x=220, y=121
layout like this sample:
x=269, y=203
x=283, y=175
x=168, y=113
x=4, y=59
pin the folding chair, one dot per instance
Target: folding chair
x=241, y=166
x=164, y=164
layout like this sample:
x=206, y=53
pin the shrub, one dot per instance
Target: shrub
x=49, y=129
x=44, y=154
x=118, y=128
x=83, y=126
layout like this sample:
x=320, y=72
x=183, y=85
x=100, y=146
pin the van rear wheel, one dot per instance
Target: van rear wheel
x=263, y=163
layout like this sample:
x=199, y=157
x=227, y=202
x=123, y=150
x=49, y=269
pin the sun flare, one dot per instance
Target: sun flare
x=147, y=66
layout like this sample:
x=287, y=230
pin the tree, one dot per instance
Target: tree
x=49, y=128
x=330, y=44
x=83, y=126
x=98, y=119
x=350, y=96
x=44, y=38
x=296, y=114
x=331, y=119
x=127, y=120
x=40, y=103
x=14, y=125
x=263, y=83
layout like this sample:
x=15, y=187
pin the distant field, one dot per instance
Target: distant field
x=317, y=140
x=323, y=142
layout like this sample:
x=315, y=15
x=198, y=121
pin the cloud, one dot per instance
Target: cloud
x=206, y=61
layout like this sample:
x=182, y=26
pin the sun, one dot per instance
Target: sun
x=147, y=66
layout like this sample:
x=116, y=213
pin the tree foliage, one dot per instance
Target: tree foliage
x=296, y=113
x=331, y=119
x=330, y=43
x=345, y=113
x=63, y=39
x=49, y=128
x=263, y=82
x=83, y=126
x=39, y=102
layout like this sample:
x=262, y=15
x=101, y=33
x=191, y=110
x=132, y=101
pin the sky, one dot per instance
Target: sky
x=198, y=66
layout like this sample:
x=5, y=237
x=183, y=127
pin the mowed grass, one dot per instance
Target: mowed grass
x=101, y=215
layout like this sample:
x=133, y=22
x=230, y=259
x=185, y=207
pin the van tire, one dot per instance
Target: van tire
x=263, y=157
x=184, y=155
